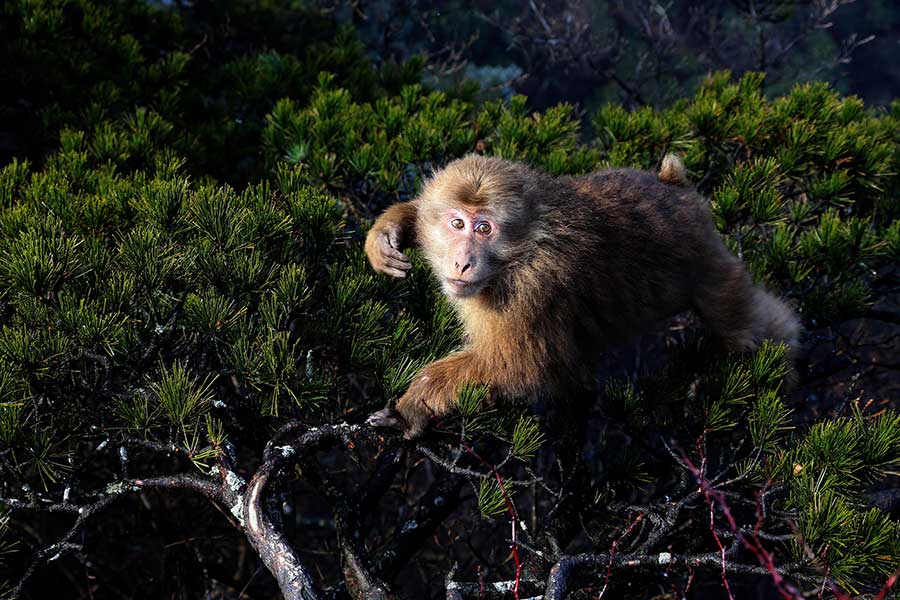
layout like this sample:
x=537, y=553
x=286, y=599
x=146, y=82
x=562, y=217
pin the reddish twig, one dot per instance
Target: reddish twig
x=888, y=585
x=612, y=552
x=707, y=494
x=687, y=586
x=513, y=517
x=752, y=542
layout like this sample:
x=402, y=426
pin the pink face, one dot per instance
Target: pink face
x=466, y=265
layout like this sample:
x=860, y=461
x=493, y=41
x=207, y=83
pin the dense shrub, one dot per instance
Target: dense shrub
x=212, y=69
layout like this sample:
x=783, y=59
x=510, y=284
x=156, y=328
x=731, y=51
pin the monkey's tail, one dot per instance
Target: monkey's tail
x=672, y=171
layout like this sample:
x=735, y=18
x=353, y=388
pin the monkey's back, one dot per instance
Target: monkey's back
x=644, y=244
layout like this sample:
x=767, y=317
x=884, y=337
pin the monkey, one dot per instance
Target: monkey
x=544, y=272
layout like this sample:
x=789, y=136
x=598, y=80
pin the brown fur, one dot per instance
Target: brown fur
x=577, y=263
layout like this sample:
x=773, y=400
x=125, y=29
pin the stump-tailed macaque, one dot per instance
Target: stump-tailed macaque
x=545, y=271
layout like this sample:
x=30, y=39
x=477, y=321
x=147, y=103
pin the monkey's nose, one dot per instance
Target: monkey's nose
x=464, y=268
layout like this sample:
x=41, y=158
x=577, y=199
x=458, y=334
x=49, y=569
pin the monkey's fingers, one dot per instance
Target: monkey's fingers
x=394, y=272
x=388, y=250
x=393, y=262
x=395, y=267
x=388, y=418
x=393, y=236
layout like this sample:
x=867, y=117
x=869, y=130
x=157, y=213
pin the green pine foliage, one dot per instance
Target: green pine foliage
x=370, y=150
x=491, y=502
x=527, y=437
x=828, y=469
x=212, y=71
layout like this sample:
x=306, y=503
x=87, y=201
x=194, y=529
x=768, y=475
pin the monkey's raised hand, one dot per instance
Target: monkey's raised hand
x=383, y=250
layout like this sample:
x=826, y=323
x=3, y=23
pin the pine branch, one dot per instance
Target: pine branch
x=65, y=545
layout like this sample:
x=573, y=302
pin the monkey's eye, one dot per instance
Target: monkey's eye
x=457, y=224
x=484, y=228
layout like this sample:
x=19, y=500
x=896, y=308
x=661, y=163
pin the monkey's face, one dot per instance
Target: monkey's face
x=461, y=250
x=472, y=218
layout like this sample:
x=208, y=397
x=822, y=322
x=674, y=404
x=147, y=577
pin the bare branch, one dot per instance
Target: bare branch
x=560, y=579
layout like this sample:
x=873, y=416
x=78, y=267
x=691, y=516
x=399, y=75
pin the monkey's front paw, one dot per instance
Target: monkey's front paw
x=387, y=418
x=394, y=419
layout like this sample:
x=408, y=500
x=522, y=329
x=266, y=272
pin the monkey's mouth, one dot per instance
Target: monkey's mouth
x=462, y=287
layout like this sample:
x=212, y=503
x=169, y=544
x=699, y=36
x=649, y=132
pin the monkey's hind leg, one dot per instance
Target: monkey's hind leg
x=739, y=313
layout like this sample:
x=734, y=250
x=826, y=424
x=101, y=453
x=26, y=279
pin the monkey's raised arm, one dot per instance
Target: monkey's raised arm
x=394, y=230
